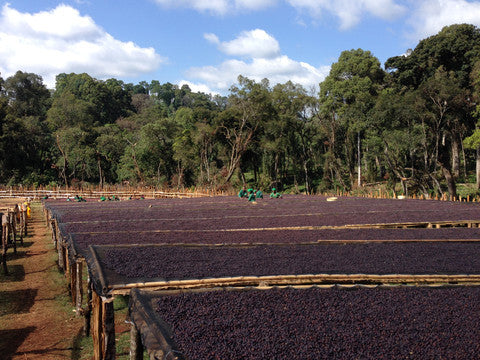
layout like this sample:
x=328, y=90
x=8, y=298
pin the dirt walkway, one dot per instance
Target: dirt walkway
x=36, y=318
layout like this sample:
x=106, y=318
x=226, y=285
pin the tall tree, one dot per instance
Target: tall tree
x=346, y=96
x=440, y=66
x=24, y=137
x=250, y=107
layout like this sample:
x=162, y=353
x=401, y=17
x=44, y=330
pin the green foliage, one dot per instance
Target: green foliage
x=407, y=125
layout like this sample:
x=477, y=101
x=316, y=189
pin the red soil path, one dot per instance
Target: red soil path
x=33, y=322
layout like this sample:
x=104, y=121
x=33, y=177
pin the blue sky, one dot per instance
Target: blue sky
x=208, y=43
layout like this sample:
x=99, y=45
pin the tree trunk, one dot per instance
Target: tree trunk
x=305, y=169
x=65, y=162
x=100, y=172
x=478, y=167
x=452, y=188
x=359, y=161
x=455, y=157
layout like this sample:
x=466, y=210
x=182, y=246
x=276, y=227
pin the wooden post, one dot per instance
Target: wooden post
x=136, y=346
x=66, y=261
x=19, y=223
x=3, y=240
x=73, y=281
x=88, y=310
x=103, y=328
x=25, y=223
x=97, y=326
x=54, y=232
x=79, y=286
x=60, y=255
x=108, y=322
x=13, y=229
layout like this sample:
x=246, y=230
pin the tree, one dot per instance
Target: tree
x=473, y=141
x=395, y=138
x=249, y=108
x=440, y=67
x=24, y=139
x=109, y=147
x=27, y=95
x=455, y=48
x=346, y=96
x=99, y=102
x=293, y=132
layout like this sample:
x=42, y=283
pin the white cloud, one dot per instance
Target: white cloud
x=218, y=7
x=265, y=61
x=253, y=44
x=61, y=40
x=350, y=12
x=430, y=16
x=211, y=38
x=197, y=87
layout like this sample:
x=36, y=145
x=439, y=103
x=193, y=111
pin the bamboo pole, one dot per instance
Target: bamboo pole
x=311, y=279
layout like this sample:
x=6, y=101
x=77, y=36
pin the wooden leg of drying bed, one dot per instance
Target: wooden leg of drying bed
x=97, y=327
x=72, y=272
x=60, y=255
x=88, y=310
x=103, y=328
x=54, y=232
x=108, y=320
x=136, y=346
x=3, y=241
x=79, y=286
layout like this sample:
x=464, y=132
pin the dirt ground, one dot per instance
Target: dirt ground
x=36, y=318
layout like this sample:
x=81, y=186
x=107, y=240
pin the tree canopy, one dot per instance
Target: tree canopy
x=413, y=122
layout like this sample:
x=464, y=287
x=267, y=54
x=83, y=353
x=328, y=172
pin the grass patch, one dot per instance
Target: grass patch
x=120, y=303
x=83, y=348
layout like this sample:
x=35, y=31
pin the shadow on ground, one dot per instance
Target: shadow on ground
x=15, y=273
x=10, y=341
x=17, y=301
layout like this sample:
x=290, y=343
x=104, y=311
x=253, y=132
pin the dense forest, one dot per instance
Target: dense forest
x=414, y=122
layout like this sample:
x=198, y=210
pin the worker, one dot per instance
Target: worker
x=243, y=193
x=102, y=198
x=79, y=198
x=274, y=194
x=251, y=195
x=259, y=194
x=28, y=208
